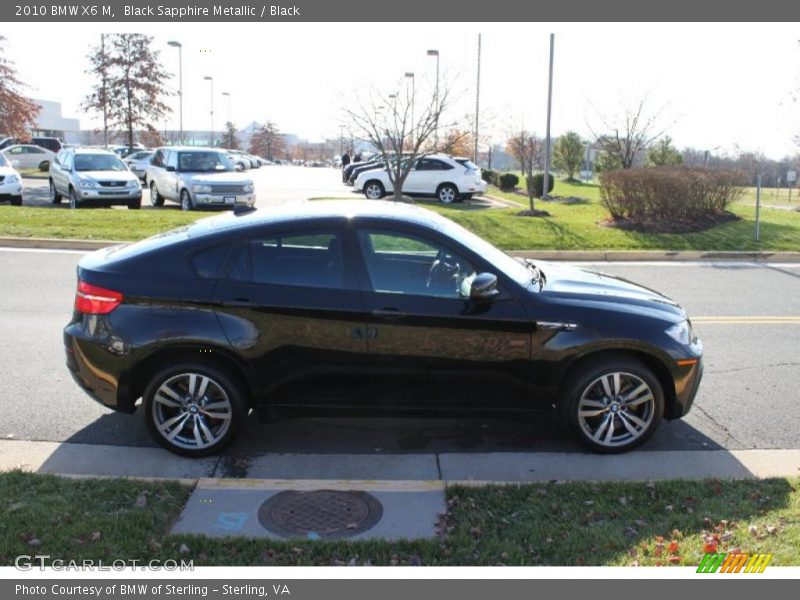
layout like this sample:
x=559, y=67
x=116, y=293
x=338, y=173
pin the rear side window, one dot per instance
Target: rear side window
x=209, y=263
x=307, y=259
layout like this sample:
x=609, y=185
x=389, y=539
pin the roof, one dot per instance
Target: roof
x=193, y=149
x=349, y=209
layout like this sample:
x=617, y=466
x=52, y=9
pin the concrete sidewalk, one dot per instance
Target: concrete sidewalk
x=468, y=467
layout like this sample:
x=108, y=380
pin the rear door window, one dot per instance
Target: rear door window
x=303, y=259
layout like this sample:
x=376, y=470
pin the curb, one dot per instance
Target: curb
x=565, y=255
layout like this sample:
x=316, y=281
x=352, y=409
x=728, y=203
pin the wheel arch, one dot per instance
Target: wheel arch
x=648, y=359
x=135, y=381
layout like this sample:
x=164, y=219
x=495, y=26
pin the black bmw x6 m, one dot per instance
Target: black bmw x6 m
x=345, y=308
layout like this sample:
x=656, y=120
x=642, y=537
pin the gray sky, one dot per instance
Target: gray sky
x=717, y=85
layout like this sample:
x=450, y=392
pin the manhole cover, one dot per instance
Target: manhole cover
x=320, y=513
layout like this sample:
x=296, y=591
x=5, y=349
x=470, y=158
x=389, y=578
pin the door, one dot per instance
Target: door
x=291, y=306
x=425, y=332
x=169, y=176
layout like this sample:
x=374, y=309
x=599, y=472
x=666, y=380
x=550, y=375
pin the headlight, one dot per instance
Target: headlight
x=87, y=182
x=681, y=333
x=11, y=179
x=133, y=184
x=249, y=188
x=201, y=189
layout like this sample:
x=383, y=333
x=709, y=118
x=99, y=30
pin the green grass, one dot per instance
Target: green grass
x=772, y=196
x=571, y=226
x=537, y=524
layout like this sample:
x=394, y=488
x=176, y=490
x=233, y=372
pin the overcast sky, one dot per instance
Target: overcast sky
x=716, y=85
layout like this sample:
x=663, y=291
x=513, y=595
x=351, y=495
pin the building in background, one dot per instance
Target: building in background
x=51, y=123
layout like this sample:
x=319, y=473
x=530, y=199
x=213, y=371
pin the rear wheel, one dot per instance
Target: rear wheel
x=374, y=190
x=186, y=200
x=194, y=409
x=156, y=199
x=16, y=201
x=613, y=404
x=447, y=193
x=55, y=197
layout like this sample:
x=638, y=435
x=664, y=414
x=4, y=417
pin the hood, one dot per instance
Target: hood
x=591, y=286
x=218, y=177
x=6, y=171
x=107, y=175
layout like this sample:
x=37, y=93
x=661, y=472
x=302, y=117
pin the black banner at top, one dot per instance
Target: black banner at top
x=120, y=11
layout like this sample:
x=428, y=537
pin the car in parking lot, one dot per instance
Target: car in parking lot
x=197, y=178
x=93, y=177
x=48, y=143
x=29, y=156
x=348, y=308
x=10, y=183
x=139, y=161
x=444, y=177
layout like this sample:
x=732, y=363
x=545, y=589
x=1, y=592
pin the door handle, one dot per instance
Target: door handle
x=238, y=302
x=388, y=313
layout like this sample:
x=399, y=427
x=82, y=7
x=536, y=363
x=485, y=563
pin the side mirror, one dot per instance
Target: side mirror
x=483, y=287
x=170, y=168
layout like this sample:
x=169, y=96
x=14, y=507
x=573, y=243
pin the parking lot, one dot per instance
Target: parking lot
x=747, y=400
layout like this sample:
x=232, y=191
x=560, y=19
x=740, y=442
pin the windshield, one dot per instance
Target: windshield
x=204, y=162
x=506, y=263
x=98, y=162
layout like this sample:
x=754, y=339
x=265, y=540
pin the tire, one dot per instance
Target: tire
x=183, y=416
x=156, y=199
x=447, y=193
x=16, y=201
x=73, y=198
x=44, y=165
x=186, y=200
x=586, y=405
x=374, y=190
x=135, y=204
x=55, y=197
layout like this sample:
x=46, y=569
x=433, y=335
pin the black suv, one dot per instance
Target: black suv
x=368, y=307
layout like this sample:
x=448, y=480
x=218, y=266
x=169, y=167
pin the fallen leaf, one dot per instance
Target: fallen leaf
x=352, y=562
x=623, y=500
x=772, y=530
x=753, y=530
x=710, y=548
x=95, y=536
x=141, y=500
x=297, y=550
x=34, y=542
x=669, y=508
x=673, y=547
x=184, y=549
x=15, y=507
x=674, y=559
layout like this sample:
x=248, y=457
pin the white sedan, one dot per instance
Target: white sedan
x=444, y=177
x=28, y=156
x=10, y=182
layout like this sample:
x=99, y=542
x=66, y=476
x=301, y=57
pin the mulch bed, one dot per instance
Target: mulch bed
x=533, y=213
x=671, y=225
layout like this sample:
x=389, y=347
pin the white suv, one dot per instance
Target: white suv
x=10, y=183
x=444, y=177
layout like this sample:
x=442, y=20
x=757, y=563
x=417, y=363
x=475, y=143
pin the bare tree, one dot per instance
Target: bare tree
x=384, y=120
x=131, y=82
x=231, y=136
x=623, y=137
x=526, y=148
x=17, y=112
x=268, y=142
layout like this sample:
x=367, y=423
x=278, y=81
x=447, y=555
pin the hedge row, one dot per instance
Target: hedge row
x=677, y=193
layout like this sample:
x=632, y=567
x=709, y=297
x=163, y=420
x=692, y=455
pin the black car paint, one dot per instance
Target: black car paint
x=301, y=349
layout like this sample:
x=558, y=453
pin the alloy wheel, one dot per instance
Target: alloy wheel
x=447, y=195
x=616, y=409
x=191, y=411
x=374, y=191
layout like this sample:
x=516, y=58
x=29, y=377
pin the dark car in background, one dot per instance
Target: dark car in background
x=342, y=308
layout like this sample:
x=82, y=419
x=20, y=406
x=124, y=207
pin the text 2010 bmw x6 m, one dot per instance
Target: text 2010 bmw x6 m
x=368, y=307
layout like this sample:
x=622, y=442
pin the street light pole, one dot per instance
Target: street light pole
x=546, y=182
x=436, y=98
x=211, y=81
x=477, y=100
x=413, y=97
x=230, y=134
x=179, y=46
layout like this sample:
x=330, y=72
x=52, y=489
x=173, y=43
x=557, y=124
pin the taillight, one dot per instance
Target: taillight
x=94, y=300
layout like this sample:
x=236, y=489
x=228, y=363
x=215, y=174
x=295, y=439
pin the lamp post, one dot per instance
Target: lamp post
x=413, y=97
x=230, y=134
x=436, y=97
x=477, y=100
x=179, y=46
x=546, y=183
x=211, y=81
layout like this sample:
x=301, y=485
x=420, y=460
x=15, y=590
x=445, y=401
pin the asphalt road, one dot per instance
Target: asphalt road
x=749, y=397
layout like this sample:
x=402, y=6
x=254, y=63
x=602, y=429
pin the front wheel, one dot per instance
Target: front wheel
x=447, y=193
x=194, y=409
x=612, y=404
x=73, y=198
x=186, y=200
x=156, y=199
x=55, y=197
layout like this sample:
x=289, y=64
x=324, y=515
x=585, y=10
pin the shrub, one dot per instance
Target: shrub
x=489, y=176
x=537, y=181
x=508, y=181
x=671, y=193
